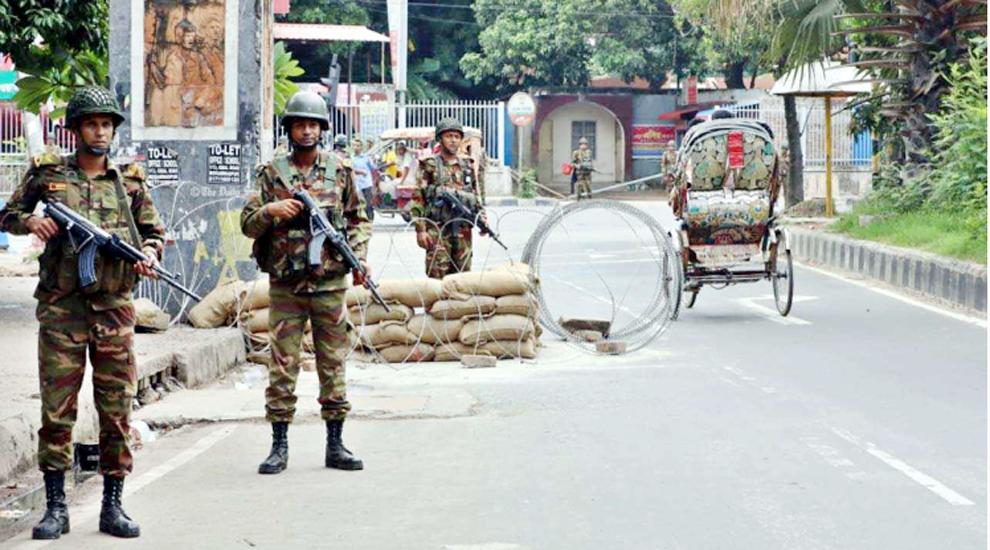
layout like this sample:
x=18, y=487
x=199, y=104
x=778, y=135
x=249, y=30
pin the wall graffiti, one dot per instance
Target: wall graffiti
x=184, y=45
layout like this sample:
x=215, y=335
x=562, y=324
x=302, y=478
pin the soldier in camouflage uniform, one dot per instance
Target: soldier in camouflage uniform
x=447, y=242
x=582, y=160
x=668, y=165
x=299, y=291
x=99, y=318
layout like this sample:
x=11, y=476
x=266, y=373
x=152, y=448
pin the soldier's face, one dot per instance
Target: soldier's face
x=450, y=141
x=583, y=146
x=305, y=132
x=96, y=131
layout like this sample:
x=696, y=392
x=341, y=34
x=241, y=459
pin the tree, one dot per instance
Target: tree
x=286, y=68
x=61, y=44
x=535, y=43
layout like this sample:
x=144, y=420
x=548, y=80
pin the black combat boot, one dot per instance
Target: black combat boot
x=278, y=458
x=337, y=455
x=56, y=520
x=113, y=519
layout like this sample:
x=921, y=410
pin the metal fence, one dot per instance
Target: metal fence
x=369, y=120
x=13, y=145
x=850, y=152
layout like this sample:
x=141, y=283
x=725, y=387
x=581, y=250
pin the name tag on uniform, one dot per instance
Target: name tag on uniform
x=57, y=186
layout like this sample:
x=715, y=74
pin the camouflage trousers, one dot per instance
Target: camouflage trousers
x=584, y=185
x=70, y=327
x=287, y=317
x=451, y=251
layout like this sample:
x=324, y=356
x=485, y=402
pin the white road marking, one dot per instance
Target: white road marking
x=91, y=509
x=911, y=301
x=915, y=475
x=771, y=314
x=595, y=296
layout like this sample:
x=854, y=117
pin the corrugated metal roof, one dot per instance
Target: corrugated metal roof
x=315, y=32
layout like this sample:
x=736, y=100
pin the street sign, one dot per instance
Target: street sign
x=7, y=86
x=521, y=109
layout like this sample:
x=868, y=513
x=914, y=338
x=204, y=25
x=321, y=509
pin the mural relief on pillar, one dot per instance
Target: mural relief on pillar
x=184, y=63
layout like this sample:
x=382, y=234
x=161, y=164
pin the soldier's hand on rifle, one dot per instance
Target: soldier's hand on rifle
x=483, y=222
x=285, y=209
x=44, y=228
x=424, y=240
x=147, y=268
x=360, y=279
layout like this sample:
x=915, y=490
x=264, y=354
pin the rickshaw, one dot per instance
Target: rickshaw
x=724, y=194
x=394, y=199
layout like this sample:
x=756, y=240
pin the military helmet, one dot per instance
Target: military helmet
x=447, y=125
x=92, y=100
x=584, y=141
x=340, y=140
x=306, y=105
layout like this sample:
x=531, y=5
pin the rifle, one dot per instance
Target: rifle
x=91, y=237
x=321, y=229
x=461, y=211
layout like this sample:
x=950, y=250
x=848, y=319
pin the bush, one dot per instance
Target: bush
x=526, y=186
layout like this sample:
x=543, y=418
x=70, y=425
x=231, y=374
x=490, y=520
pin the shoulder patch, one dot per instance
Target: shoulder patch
x=48, y=158
x=134, y=171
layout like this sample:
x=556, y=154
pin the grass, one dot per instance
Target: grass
x=937, y=231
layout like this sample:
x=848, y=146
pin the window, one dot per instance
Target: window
x=583, y=129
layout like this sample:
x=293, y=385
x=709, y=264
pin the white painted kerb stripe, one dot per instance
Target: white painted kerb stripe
x=91, y=509
x=921, y=478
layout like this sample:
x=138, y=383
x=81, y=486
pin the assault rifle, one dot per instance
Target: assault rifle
x=461, y=211
x=86, y=237
x=321, y=229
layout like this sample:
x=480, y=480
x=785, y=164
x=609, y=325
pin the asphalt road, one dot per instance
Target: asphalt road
x=860, y=422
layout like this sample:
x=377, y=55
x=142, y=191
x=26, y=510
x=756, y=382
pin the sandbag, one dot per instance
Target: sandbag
x=218, y=307
x=357, y=296
x=373, y=314
x=258, y=341
x=407, y=354
x=513, y=328
x=461, y=286
x=523, y=270
x=255, y=295
x=412, y=292
x=518, y=304
x=389, y=333
x=149, y=317
x=525, y=349
x=473, y=306
x=434, y=331
x=256, y=320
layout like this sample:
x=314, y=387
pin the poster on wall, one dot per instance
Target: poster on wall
x=224, y=164
x=184, y=69
x=649, y=140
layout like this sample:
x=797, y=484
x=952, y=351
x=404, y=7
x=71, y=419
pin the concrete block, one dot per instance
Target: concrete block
x=611, y=348
x=478, y=361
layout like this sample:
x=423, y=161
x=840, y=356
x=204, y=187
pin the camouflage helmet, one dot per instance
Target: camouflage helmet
x=340, y=140
x=584, y=141
x=306, y=105
x=92, y=100
x=449, y=124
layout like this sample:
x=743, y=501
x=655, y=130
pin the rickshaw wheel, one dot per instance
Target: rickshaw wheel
x=782, y=275
x=672, y=278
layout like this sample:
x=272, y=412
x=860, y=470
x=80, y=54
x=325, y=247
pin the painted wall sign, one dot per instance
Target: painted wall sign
x=162, y=166
x=649, y=140
x=224, y=164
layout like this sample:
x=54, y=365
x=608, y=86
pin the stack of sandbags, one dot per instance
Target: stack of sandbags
x=225, y=304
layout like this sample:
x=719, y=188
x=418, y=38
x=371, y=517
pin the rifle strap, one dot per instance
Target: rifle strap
x=122, y=203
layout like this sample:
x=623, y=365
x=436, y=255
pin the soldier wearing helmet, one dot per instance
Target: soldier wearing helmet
x=98, y=318
x=582, y=162
x=299, y=291
x=447, y=242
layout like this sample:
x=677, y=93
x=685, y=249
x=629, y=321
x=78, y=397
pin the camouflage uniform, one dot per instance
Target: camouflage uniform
x=99, y=318
x=451, y=252
x=583, y=165
x=299, y=291
x=668, y=167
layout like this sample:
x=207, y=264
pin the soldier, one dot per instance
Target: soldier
x=668, y=164
x=447, y=242
x=340, y=145
x=99, y=318
x=582, y=159
x=299, y=291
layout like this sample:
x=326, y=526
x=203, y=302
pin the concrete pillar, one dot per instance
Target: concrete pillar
x=194, y=80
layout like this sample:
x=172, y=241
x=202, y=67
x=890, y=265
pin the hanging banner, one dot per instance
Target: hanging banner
x=736, y=150
x=692, y=90
x=398, y=19
x=649, y=140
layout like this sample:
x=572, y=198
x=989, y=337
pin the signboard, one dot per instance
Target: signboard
x=649, y=140
x=521, y=109
x=692, y=90
x=7, y=86
x=735, y=150
x=225, y=164
x=162, y=166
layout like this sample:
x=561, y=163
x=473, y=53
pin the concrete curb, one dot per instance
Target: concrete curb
x=193, y=356
x=957, y=282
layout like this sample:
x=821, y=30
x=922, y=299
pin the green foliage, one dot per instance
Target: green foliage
x=59, y=82
x=526, y=186
x=286, y=68
x=67, y=28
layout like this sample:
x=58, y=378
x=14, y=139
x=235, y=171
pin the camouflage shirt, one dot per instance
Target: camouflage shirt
x=583, y=161
x=284, y=244
x=456, y=175
x=60, y=179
